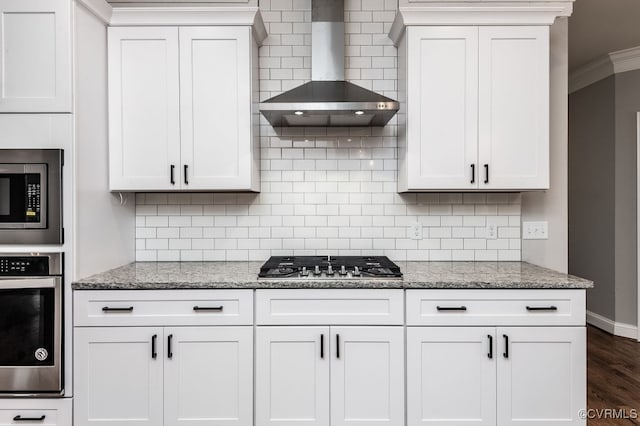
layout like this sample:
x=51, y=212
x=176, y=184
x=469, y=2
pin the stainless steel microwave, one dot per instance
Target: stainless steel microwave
x=31, y=196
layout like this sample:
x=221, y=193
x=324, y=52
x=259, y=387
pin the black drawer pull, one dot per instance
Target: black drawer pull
x=208, y=308
x=490, y=354
x=338, y=346
x=322, y=346
x=170, y=346
x=542, y=308
x=108, y=309
x=29, y=419
x=451, y=308
x=473, y=173
x=486, y=173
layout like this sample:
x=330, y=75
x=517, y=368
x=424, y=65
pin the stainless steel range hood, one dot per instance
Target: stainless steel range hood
x=328, y=100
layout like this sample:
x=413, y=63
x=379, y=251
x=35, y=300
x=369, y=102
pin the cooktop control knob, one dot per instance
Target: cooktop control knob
x=316, y=271
x=356, y=271
x=343, y=270
x=330, y=271
x=304, y=272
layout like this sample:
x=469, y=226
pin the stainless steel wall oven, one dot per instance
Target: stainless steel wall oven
x=31, y=196
x=31, y=340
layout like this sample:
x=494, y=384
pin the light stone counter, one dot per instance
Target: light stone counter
x=237, y=275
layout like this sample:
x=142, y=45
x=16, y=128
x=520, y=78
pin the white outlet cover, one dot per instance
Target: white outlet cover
x=415, y=231
x=491, y=232
x=535, y=230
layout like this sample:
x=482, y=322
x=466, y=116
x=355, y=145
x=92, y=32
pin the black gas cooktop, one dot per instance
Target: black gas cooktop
x=330, y=267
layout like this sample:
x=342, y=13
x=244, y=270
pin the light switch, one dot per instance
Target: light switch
x=535, y=230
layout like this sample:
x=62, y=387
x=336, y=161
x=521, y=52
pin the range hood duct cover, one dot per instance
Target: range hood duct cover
x=328, y=100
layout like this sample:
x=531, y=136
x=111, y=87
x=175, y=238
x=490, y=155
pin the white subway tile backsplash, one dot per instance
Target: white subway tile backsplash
x=326, y=190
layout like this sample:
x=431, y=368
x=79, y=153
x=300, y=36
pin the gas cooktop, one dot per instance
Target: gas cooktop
x=330, y=267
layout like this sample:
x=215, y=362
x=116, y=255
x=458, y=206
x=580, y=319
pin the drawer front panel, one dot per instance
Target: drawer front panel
x=56, y=412
x=163, y=307
x=329, y=306
x=495, y=307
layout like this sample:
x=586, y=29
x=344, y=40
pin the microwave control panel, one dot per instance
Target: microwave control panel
x=27, y=265
x=32, y=208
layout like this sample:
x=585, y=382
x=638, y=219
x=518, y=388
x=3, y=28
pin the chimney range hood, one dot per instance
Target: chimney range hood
x=328, y=100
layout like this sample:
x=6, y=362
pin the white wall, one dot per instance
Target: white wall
x=104, y=227
x=552, y=205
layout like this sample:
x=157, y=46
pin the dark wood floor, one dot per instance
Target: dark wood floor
x=613, y=375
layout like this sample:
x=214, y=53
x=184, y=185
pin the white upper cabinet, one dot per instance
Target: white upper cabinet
x=443, y=76
x=514, y=107
x=35, y=59
x=474, y=109
x=215, y=105
x=144, y=116
x=180, y=113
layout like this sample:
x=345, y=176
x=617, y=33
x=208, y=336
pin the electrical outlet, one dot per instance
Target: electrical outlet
x=535, y=230
x=491, y=232
x=415, y=231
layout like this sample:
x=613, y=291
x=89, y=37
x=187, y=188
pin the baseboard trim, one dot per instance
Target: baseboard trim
x=616, y=328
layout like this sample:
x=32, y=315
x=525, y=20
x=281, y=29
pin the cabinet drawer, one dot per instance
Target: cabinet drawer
x=495, y=307
x=328, y=307
x=56, y=412
x=163, y=307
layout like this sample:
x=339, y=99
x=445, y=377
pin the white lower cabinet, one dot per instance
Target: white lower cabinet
x=118, y=376
x=329, y=376
x=541, y=375
x=292, y=376
x=40, y=411
x=155, y=376
x=521, y=376
x=451, y=376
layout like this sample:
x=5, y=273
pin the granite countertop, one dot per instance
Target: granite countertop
x=238, y=275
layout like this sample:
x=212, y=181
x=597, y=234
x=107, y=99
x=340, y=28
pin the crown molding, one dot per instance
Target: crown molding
x=477, y=13
x=100, y=8
x=625, y=60
x=601, y=68
x=590, y=73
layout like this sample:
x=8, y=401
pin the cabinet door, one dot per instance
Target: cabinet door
x=144, y=117
x=514, y=107
x=442, y=105
x=541, y=376
x=118, y=376
x=367, y=376
x=35, y=59
x=215, y=107
x=209, y=376
x=451, y=376
x=292, y=376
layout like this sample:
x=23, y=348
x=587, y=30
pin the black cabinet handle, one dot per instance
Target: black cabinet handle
x=186, y=178
x=506, y=346
x=486, y=173
x=451, y=308
x=154, y=353
x=169, y=346
x=322, y=346
x=490, y=354
x=208, y=308
x=108, y=309
x=338, y=346
x=473, y=173
x=173, y=172
x=29, y=419
x=542, y=308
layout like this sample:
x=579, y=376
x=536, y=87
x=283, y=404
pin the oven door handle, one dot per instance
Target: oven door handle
x=26, y=283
